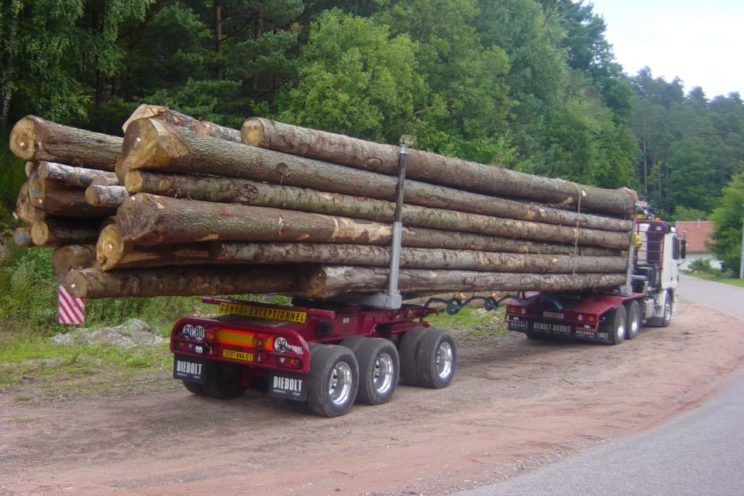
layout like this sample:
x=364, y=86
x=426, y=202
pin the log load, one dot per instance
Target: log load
x=153, y=145
x=185, y=207
x=433, y=168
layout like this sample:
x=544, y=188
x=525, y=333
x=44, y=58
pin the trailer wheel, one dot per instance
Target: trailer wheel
x=436, y=359
x=408, y=346
x=333, y=381
x=224, y=381
x=379, y=366
x=194, y=388
x=616, y=325
x=634, y=319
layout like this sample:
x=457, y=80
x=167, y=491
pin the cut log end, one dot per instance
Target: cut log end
x=252, y=132
x=110, y=248
x=23, y=137
x=144, y=111
x=134, y=182
x=150, y=143
x=22, y=237
x=41, y=235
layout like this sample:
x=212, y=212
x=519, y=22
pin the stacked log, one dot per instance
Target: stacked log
x=278, y=208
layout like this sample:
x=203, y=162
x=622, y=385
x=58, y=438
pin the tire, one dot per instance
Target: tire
x=634, y=319
x=379, y=367
x=407, y=350
x=616, y=325
x=436, y=358
x=665, y=319
x=194, y=388
x=333, y=380
x=353, y=343
x=224, y=381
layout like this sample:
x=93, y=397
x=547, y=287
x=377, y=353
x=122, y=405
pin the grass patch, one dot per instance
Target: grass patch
x=717, y=278
x=36, y=362
x=472, y=322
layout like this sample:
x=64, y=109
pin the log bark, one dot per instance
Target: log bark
x=34, y=138
x=325, y=282
x=184, y=281
x=72, y=257
x=22, y=237
x=112, y=252
x=169, y=116
x=105, y=196
x=147, y=219
x=58, y=232
x=433, y=168
x=153, y=145
x=413, y=258
x=60, y=200
x=247, y=192
x=25, y=209
x=74, y=176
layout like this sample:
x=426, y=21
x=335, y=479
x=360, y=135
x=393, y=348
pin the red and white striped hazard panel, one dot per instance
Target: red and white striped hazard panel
x=71, y=310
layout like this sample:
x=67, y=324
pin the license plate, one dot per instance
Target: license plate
x=551, y=327
x=237, y=355
x=189, y=370
x=289, y=387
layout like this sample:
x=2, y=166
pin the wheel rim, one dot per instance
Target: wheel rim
x=667, y=311
x=634, y=326
x=339, y=384
x=445, y=357
x=384, y=372
x=620, y=334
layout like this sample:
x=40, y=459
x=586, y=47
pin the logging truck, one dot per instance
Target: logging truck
x=331, y=354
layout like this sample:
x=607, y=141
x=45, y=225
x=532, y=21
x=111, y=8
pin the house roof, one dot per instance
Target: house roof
x=697, y=233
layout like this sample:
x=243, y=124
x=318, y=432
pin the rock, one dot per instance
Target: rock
x=130, y=334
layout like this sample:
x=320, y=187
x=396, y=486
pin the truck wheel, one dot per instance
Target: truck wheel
x=634, y=319
x=408, y=346
x=379, y=366
x=666, y=318
x=194, y=388
x=333, y=381
x=616, y=325
x=436, y=358
x=224, y=381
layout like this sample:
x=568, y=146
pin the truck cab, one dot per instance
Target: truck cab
x=610, y=316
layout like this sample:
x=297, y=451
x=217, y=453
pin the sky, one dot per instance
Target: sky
x=701, y=42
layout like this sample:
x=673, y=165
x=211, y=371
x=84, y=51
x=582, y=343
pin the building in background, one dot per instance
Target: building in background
x=698, y=234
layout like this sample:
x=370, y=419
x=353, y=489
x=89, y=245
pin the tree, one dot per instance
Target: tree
x=356, y=79
x=728, y=218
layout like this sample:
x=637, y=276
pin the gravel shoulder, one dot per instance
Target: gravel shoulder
x=515, y=405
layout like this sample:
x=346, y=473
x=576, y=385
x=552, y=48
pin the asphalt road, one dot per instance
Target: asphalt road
x=699, y=453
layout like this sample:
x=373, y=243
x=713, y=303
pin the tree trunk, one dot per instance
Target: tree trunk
x=34, y=138
x=64, y=201
x=433, y=168
x=57, y=232
x=105, y=196
x=112, y=252
x=164, y=114
x=153, y=145
x=72, y=257
x=247, y=192
x=146, y=219
x=182, y=281
x=413, y=258
x=22, y=237
x=25, y=209
x=325, y=282
x=74, y=176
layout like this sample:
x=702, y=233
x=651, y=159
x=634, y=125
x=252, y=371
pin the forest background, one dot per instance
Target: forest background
x=530, y=85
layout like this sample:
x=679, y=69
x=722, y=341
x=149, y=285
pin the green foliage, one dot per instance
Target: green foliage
x=684, y=213
x=728, y=217
x=702, y=265
x=355, y=79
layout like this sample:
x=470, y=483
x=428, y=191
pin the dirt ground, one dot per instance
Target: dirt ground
x=515, y=405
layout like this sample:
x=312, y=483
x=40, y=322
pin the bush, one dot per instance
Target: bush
x=702, y=265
